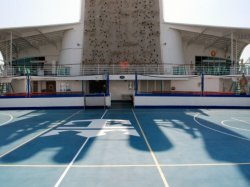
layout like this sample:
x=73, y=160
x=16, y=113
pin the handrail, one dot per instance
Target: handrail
x=117, y=69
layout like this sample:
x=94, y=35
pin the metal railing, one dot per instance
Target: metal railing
x=116, y=69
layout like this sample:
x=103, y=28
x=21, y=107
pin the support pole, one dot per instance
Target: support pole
x=83, y=95
x=136, y=83
x=107, y=84
x=82, y=88
x=28, y=85
x=10, y=60
x=6, y=53
x=11, y=49
x=236, y=49
x=232, y=51
x=202, y=84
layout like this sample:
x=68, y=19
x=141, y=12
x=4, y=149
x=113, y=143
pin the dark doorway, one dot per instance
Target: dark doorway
x=97, y=86
x=126, y=104
x=35, y=86
x=51, y=86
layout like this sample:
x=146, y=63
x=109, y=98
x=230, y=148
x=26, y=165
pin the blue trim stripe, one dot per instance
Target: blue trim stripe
x=186, y=95
x=96, y=95
x=40, y=108
x=55, y=96
x=166, y=95
x=52, y=107
x=192, y=106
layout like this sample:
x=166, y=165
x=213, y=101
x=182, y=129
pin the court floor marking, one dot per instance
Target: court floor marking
x=241, y=129
x=11, y=118
x=157, y=164
x=243, y=121
x=125, y=165
x=34, y=137
x=74, y=158
x=221, y=132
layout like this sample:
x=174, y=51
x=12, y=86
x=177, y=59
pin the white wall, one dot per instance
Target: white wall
x=212, y=84
x=74, y=86
x=51, y=52
x=41, y=102
x=187, y=85
x=120, y=89
x=72, y=45
x=192, y=101
x=98, y=101
x=171, y=45
x=54, y=102
x=192, y=50
x=19, y=86
x=170, y=42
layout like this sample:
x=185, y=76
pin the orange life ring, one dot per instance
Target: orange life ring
x=213, y=53
x=124, y=64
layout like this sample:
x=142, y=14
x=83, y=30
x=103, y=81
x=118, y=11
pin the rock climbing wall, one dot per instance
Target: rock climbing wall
x=122, y=30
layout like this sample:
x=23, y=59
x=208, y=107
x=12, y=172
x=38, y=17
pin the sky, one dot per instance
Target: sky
x=229, y=13
x=245, y=54
x=24, y=13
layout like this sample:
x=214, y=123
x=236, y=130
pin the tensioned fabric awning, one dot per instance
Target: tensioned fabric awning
x=25, y=38
x=215, y=37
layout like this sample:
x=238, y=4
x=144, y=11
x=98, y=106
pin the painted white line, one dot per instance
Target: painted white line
x=86, y=128
x=162, y=165
x=221, y=132
x=104, y=114
x=71, y=163
x=125, y=165
x=114, y=166
x=164, y=180
x=206, y=165
x=75, y=166
x=241, y=129
x=11, y=118
x=241, y=121
x=32, y=166
x=75, y=157
x=34, y=137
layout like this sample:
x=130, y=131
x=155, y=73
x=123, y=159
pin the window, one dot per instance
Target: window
x=212, y=65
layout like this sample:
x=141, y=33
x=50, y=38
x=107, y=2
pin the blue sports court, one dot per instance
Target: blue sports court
x=125, y=147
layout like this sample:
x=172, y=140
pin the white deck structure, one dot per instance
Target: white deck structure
x=100, y=56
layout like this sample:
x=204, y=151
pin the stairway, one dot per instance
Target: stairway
x=121, y=104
